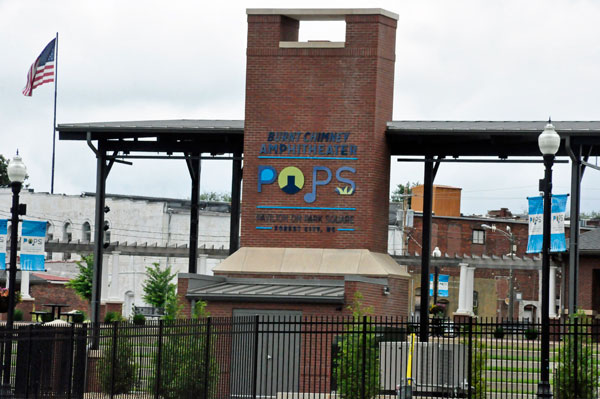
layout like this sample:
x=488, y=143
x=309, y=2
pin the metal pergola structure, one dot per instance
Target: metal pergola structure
x=430, y=142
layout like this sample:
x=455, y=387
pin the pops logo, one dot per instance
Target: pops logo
x=291, y=180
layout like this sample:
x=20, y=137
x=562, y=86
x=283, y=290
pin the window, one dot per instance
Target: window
x=49, y=237
x=86, y=232
x=67, y=236
x=478, y=237
x=106, y=232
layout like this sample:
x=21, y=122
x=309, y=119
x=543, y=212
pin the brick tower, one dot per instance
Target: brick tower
x=316, y=162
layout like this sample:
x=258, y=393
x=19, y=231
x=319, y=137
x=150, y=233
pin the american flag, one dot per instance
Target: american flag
x=42, y=70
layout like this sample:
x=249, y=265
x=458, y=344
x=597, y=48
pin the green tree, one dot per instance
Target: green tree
x=403, y=191
x=157, y=285
x=214, y=196
x=3, y=171
x=577, y=373
x=351, y=364
x=82, y=284
x=4, y=180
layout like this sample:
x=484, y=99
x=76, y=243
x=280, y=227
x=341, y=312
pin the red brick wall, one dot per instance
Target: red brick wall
x=57, y=293
x=585, y=289
x=455, y=236
x=320, y=90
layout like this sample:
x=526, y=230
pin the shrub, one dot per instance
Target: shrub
x=18, y=315
x=531, y=333
x=499, y=332
x=577, y=370
x=351, y=365
x=111, y=317
x=78, y=316
x=183, y=365
x=139, y=319
x=117, y=369
x=157, y=285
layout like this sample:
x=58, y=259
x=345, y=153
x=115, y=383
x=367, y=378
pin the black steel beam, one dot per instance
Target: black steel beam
x=236, y=184
x=101, y=175
x=426, y=249
x=194, y=166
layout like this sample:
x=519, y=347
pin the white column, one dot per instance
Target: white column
x=25, y=285
x=114, y=294
x=202, y=266
x=104, y=286
x=465, y=291
x=552, y=296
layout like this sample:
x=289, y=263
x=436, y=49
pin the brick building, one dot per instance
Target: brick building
x=471, y=237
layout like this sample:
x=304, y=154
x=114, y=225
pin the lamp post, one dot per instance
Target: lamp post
x=511, y=287
x=16, y=174
x=549, y=142
x=436, y=254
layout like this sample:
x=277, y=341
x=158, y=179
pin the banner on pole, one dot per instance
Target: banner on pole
x=442, y=285
x=3, y=238
x=33, y=236
x=558, y=242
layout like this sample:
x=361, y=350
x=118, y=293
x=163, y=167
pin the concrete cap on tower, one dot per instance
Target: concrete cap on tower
x=320, y=14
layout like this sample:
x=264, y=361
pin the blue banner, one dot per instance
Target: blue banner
x=33, y=237
x=442, y=285
x=558, y=243
x=3, y=237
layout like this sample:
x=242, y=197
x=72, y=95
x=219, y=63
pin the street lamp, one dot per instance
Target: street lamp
x=511, y=287
x=549, y=142
x=436, y=254
x=16, y=174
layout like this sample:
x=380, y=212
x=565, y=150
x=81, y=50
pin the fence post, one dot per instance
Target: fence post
x=158, y=358
x=575, y=361
x=470, y=359
x=207, y=358
x=364, y=358
x=255, y=371
x=73, y=346
x=114, y=360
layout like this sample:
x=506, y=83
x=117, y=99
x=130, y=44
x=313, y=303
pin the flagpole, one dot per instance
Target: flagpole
x=54, y=125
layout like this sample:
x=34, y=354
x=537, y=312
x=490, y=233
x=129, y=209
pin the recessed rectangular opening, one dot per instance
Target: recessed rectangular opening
x=322, y=31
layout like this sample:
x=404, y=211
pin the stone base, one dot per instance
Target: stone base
x=463, y=317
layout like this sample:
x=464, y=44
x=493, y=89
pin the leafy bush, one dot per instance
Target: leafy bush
x=183, y=365
x=78, y=317
x=111, y=317
x=18, y=315
x=351, y=365
x=577, y=373
x=172, y=305
x=117, y=370
x=499, y=332
x=139, y=319
x=531, y=333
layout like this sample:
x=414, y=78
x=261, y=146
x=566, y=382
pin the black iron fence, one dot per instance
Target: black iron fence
x=286, y=357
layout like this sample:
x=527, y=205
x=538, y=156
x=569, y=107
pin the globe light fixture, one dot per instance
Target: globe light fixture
x=549, y=140
x=17, y=171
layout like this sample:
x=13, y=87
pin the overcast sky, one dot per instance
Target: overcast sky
x=143, y=60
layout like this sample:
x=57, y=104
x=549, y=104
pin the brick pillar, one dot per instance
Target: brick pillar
x=316, y=160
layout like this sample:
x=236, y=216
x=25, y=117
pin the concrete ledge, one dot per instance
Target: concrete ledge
x=321, y=14
x=315, y=44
